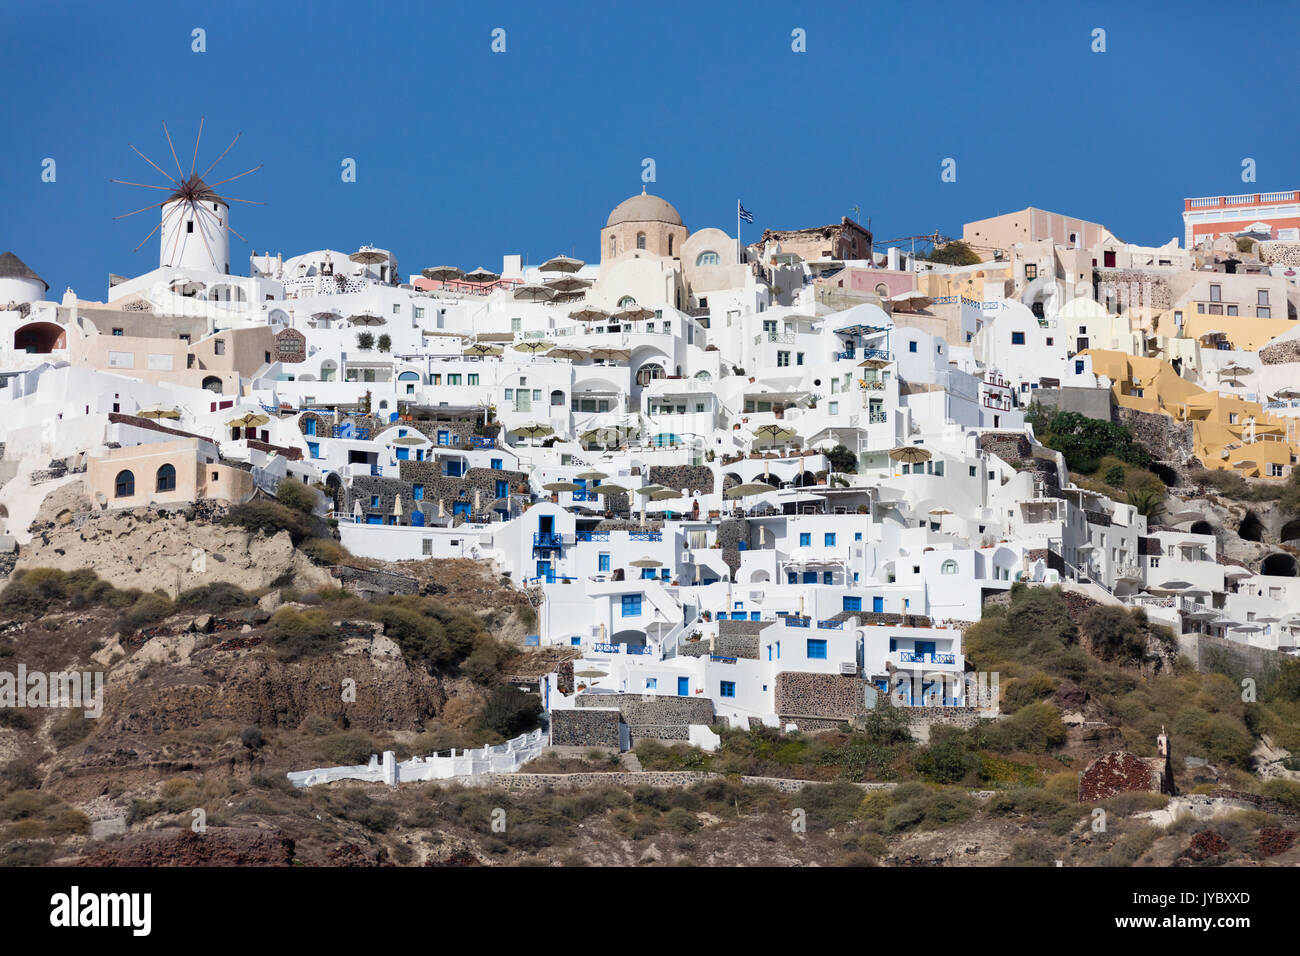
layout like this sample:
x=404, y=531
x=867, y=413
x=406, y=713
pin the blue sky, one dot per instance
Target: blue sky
x=464, y=154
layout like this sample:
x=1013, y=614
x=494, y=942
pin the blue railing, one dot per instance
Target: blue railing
x=718, y=659
x=645, y=536
x=846, y=354
x=376, y=471
x=877, y=353
x=797, y=621
x=547, y=539
x=477, y=442
x=831, y=625
x=911, y=657
x=591, y=535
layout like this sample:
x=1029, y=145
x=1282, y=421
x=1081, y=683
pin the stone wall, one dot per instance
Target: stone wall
x=1134, y=288
x=1281, y=353
x=1164, y=438
x=1011, y=447
x=662, y=778
x=732, y=531
x=436, y=486
x=833, y=697
x=698, y=479
x=290, y=347
x=1205, y=651
x=661, y=717
x=1278, y=252
x=585, y=727
x=728, y=644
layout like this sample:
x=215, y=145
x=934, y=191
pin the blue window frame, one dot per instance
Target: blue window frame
x=374, y=501
x=498, y=464
x=313, y=449
x=911, y=346
x=417, y=492
x=631, y=605
x=602, y=562
x=857, y=536
x=311, y=426
x=1078, y=366
x=502, y=488
x=460, y=508
x=805, y=539
x=727, y=688
x=1017, y=338
x=755, y=615
x=816, y=649
x=852, y=603
x=651, y=683
x=403, y=454
x=683, y=686
x=878, y=605
x=828, y=577
x=647, y=573
x=893, y=644
x=810, y=577
x=829, y=539
x=791, y=578
x=575, y=641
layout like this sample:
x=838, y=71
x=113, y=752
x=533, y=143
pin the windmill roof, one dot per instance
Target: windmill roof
x=11, y=267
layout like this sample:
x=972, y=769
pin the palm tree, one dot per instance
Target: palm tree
x=1149, y=504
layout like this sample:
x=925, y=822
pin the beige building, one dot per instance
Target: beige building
x=1031, y=225
x=179, y=471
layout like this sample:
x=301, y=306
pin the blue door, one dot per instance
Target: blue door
x=878, y=605
x=683, y=687
x=544, y=572
x=460, y=508
x=417, y=519
x=503, y=488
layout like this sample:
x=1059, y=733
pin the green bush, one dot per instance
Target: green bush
x=295, y=634
x=292, y=493
x=350, y=748
x=509, y=711
x=215, y=597
x=148, y=609
x=1114, y=476
x=270, y=517
x=1085, y=441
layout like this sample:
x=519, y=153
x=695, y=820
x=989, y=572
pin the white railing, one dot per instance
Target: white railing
x=502, y=758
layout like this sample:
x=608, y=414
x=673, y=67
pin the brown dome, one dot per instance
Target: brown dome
x=644, y=208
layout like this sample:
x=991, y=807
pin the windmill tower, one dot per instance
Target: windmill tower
x=194, y=219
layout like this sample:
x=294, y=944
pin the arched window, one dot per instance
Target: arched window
x=557, y=398
x=613, y=246
x=212, y=384
x=648, y=373
x=882, y=290
x=627, y=300
x=707, y=258
x=124, y=485
x=640, y=240
x=704, y=376
x=948, y=567
x=166, y=478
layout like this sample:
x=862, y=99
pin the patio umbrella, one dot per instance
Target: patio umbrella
x=570, y=353
x=940, y=511
x=534, y=293
x=482, y=275
x=611, y=354
x=369, y=256
x=533, y=346
x=482, y=348
x=561, y=263
x=567, y=284
x=1233, y=369
x=533, y=430
x=1236, y=571
x=366, y=318
x=1245, y=464
x=773, y=433
x=610, y=489
x=443, y=273
x=648, y=490
x=646, y=563
x=665, y=494
x=327, y=314
x=602, y=435
x=909, y=454
x=249, y=420
x=588, y=313
x=156, y=412
x=357, y=513
x=410, y=440
x=1287, y=391
x=1170, y=587
x=873, y=363
x=397, y=506
x=632, y=313
x=558, y=486
x=593, y=475
x=747, y=489
x=573, y=295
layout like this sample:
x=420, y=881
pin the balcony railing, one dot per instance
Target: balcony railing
x=781, y=338
x=590, y=535
x=797, y=621
x=878, y=354
x=645, y=536
x=830, y=625
x=911, y=657
x=547, y=539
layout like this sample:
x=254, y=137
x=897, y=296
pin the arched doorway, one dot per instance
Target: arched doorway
x=40, y=338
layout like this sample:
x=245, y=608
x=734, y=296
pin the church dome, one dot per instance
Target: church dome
x=644, y=208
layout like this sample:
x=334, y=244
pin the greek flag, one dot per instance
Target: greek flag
x=744, y=213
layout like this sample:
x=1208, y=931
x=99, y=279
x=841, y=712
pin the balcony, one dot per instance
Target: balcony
x=911, y=657
x=830, y=625
x=590, y=535
x=797, y=621
x=645, y=536
x=781, y=338
x=877, y=354
x=547, y=539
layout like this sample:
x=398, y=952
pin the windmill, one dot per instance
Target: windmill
x=195, y=218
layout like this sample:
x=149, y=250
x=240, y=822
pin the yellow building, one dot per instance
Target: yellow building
x=1228, y=432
